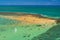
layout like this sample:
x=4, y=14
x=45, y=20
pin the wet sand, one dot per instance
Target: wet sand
x=30, y=18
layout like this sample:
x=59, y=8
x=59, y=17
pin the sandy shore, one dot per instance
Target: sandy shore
x=30, y=18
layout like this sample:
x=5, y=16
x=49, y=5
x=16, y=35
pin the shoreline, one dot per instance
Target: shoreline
x=18, y=14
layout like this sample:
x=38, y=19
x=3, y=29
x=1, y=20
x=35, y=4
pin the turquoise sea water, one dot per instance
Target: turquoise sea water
x=38, y=9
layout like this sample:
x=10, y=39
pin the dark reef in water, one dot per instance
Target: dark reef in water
x=58, y=21
x=51, y=34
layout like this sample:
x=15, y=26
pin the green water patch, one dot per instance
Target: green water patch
x=21, y=32
x=51, y=34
